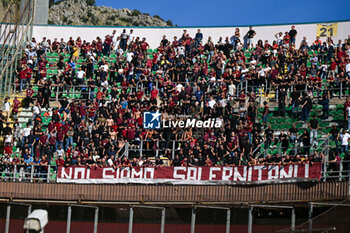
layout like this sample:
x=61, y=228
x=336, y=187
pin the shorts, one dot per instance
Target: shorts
x=250, y=41
x=7, y=114
x=63, y=110
x=292, y=40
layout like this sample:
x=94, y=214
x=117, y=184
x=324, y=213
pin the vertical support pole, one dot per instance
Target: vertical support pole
x=31, y=174
x=141, y=149
x=157, y=150
x=279, y=148
x=324, y=171
x=1, y=79
x=293, y=220
x=228, y=220
x=8, y=213
x=127, y=149
x=250, y=219
x=29, y=211
x=310, y=217
x=10, y=80
x=14, y=172
x=173, y=151
x=48, y=174
x=57, y=92
x=96, y=220
x=69, y=217
x=341, y=90
x=193, y=220
x=162, y=223
x=6, y=77
x=131, y=218
x=340, y=170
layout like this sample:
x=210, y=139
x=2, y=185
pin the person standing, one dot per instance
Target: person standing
x=293, y=34
x=265, y=113
x=325, y=106
x=313, y=125
x=334, y=135
x=15, y=107
x=198, y=38
x=306, y=107
x=282, y=102
x=250, y=35
x=295, y=102
x=123, y=40
x=347, y=67
x=7, y=109
x=345, y=136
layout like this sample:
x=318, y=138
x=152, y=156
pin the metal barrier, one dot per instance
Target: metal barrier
x=263, y=91
x=58, y=92
x=336, y=170
x=322, y=147
x=28, y=173
x=146, y=148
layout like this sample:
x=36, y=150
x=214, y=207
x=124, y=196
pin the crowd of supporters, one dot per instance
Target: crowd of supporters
x=187, y=75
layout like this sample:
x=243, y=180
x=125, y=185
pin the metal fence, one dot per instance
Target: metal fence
x=74, y=92
x=157, y=148
x=263, y=91
x=28, y=173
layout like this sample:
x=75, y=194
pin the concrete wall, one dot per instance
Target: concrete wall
x=154, y=35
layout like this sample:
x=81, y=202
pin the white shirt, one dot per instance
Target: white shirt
x=36, y=110
x=181, y=50
x=279, y=38
x=212, y=103
x=60, y=152
x=26, y=131
x=231, y=89
x=32, y=44
x=345, y=139
x=104, y=83
x=105, y=67
x=8, y=138
x=179, y=87
x=124, y=36
x=129, y=57
x=131, y=37
x=348, y=110
x=80, y=74
x=31, y=54
x=223, y=102
x=314, y=60
x=110, y=162
x=7, y=106
x=119, y=51
x=347, y=68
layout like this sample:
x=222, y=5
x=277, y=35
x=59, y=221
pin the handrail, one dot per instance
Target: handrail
x=31, y=173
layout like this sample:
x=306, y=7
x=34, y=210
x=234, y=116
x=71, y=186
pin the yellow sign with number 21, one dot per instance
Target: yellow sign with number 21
x=326, y=30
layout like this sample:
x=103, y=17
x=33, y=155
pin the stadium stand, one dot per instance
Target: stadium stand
x=82, y=103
